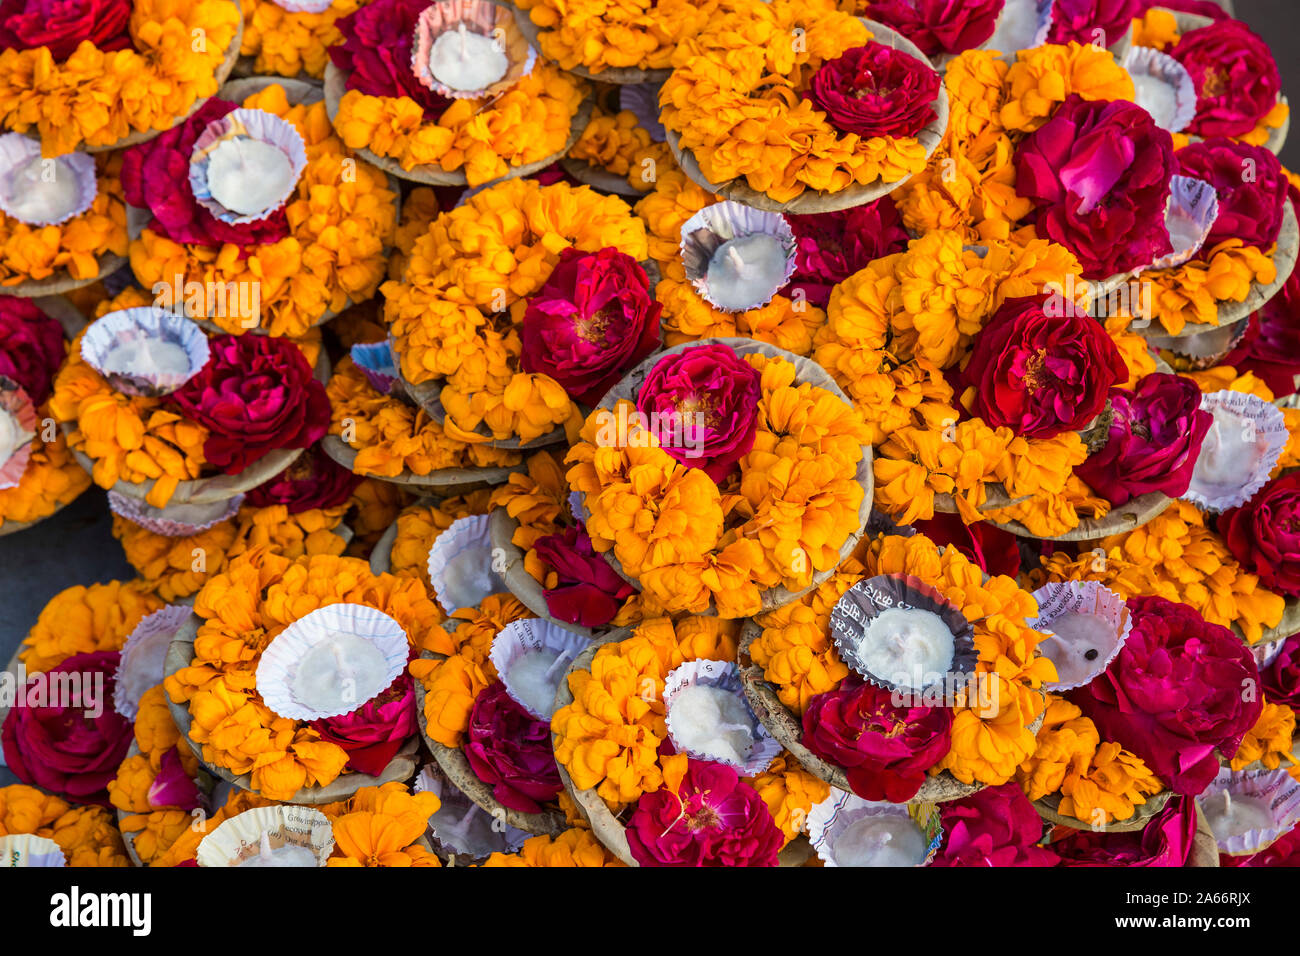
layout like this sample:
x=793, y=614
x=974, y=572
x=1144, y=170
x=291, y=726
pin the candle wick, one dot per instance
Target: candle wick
x=464, y=51
x=562, y=660
x=726, y=728
x=734, y=255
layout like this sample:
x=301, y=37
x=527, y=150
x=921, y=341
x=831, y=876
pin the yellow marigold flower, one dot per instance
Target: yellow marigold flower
x=291, y=42
x=25, y=809
x=1116, y=783
x=1191, y=293
x=88, y=836
x=991, y=749
x=382, y=828
x=574, y=847
x=673, y=201
x=1045, y=76
x=1269, y=741
x=85, y=619
x=687, y=316
x=790, y=792
x=419, y=526
x=52, y=479
x=1065, y=744
x=155, y=831
x=611, y=141
x=1156, y=28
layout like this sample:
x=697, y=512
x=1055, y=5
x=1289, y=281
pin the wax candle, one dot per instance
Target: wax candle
x=468, y=577
x=146, y=356
x=1229, y=452
x=467, y=828
x=745, y=271
x=890, y=839
x=712, y=722
x=464, y=60
x=287, y=855
x=1078, y=642
x=248, y=176
x=43, y=191
x=1157, y=97
x=908, y=646
x=339, y=672
x=534, y=676
x=1231, y=816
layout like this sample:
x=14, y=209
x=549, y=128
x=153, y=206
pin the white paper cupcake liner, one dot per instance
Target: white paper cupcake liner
x=245, y=124
x=460, y=564
x=725, y=676
x=1022, y=25
x=478, y=16
x=239, y=838
x=1190, y=213
x=304, y=6
x=1073, y=666
x=1264, y=436
x=461, y=826
x=713, y=226
x=377, y=364
x=827, y=821
x=532, y=635
x=175, y=520
x=1275, y=787
x=1201, y=348
x=643, y=100
x=378, y=646
x=1164, y=87
x=854, y=612
x=31, y=199
x=27, y=849
x=18, y=428
x=577, y=507
x=118, y=347
x=1265, y=654
x=141, y=666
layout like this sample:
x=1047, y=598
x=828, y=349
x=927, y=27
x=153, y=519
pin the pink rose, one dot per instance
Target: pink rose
x=1079, y=20
x=1251, y=187
x=314, y=480
x=831, y=246
x=373, y=733
x=510, y=749
x=997, y=826
x=376, y=53
x=1264, y=534
x=938, y=26
x=1166, y=840
x=1237, y=80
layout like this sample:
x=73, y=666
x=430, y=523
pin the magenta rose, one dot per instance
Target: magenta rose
x=1166, y=840
x=1236, y=78
x=256, y=394
x=997, y=826
x=376, y=53
x=707, y=396
x=172, y=787
x=1203, y=8
x=155, y=177
x=1155, y=438
x=1041, y=376
x=831, y=246
x=314, y=480
x=592, y=320
x=1264, y=534
x=373, y=733
x=510, y=749
x=589, y=592
x=874, y=90
x=63, y=25
x=938, y=26
x=994, y=550
x=1098, y=175
x=884, y=748
x=1280, y=679
x=31, y=346
x=1180, y=689
x=715, y=819
x=70, y=746
x=1251, y=186
x=1079, y=20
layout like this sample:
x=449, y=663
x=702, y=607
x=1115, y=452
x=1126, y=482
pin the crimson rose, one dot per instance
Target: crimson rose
x=374, y=732
x=1078, y=20
x=874, y=90
x=1236, y=78
x=511, y=750
x=1264, y=534
x=314, y=480
x=831, y=246
x=31, y=346
x=997, y=826
x=1166, y=840
x=938, y=26
x=376, y=53
x=589, y=592
x=1251, y=187
x=62, y=25
x=1280, y=679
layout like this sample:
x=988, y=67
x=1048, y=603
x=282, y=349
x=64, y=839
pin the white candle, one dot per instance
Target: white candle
x=535, y=676
x=12, y=435
x=463, y=60
x=1231, y=816
x=745, y=271
x=885, y=840
x=145, y=356
x=908, y=646
x=248, y=176
x=467, y=829
x=712, y=722
x=1157, y=97
x=1226, y=457
x=1016, y=28
x=44, y=193
x=287, y=855
x=340, y=674
x=467, y=578
x=1077, y=644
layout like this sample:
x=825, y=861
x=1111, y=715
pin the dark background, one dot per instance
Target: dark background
x=76, y=546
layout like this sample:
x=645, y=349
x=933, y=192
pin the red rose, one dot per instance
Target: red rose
x=373, y=733
x=709, y=394
x=589, y=592
x=1040, y=376
x=885, y=749
x=62, y=25
x=1236, y=78
x=155, y=177
x=1203, y=8
x=994, y=550
x=314, y=480
x=376, y=53
x=874, y=90
x=1166, y=840
x=1281, y=678
x=1079, y=20
x=1098, y=175
x=938, y=26
x=997, y=826
x=1251, y=186
x=511, y=750
x=592, y=320
x=172, y=787
x=1177, y=692
x=715, y=819
x=1264, y=534
x=256, y=394
x=31, y=346
x=831, y=246
x=61, y=747
x=1155, y=438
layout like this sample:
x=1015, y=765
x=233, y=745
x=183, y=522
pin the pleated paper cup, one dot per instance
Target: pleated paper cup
x=523, y=646
x=43, y=192
x=377, y=364
x=1080, y=659
x=724, y=676
x=244, y=125
x=1273, y=796
x=239, y=840
x=1190, y=214
x=460, y=564
x=18, y=426
x=143, y=661
x=1022, y=25
x=1240, y=450
x=299, y=658
x=479, y=17
x=175, y=520
x=711, y=240
x=1163, y=87
x=460, y=827
x=145, y=350
x=642, y=99
x=27, y=849
x=836, y=819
